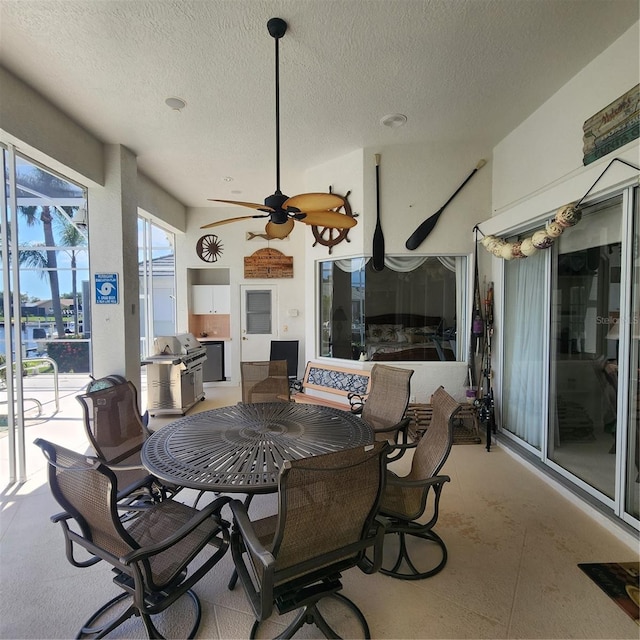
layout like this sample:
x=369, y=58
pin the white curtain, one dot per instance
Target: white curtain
x=351, y=265
x=525, y=320
x=401, y=264
x=404, y=264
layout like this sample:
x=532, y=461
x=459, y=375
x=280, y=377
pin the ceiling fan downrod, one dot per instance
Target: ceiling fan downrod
x=277, y=28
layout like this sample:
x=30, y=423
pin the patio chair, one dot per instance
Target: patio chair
x=117, y=431
x=405, y=498
x=152, y=555
x=264, y=381
x=325, y=524
x=385, y=407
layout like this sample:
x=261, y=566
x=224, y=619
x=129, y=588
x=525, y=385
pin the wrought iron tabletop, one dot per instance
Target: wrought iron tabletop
x=242, y=447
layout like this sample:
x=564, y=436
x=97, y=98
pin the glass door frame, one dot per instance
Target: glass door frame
x=146, y=257
x=13, y=273
x=630, y=199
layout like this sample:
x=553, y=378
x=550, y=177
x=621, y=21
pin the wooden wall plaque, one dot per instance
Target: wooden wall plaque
x=612, y=127
x=268, y=263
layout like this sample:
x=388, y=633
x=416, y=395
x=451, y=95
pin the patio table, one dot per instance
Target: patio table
x=241, y=448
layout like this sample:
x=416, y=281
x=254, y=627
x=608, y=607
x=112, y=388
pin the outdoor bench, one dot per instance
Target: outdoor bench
x=333, y=386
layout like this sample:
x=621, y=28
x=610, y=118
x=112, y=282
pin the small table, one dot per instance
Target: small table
x=241, y=448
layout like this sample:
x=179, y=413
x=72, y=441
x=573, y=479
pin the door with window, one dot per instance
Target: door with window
x=259, y=322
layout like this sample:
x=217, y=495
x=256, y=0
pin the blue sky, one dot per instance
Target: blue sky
x=32, y=283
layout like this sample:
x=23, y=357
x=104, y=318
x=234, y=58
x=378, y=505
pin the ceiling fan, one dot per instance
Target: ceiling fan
x=315, y=209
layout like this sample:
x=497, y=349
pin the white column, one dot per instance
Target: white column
x=113, y=244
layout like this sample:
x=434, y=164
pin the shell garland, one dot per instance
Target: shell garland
x=565, y=217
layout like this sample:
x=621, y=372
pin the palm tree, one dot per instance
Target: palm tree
x=43, y=256
x=71, y=237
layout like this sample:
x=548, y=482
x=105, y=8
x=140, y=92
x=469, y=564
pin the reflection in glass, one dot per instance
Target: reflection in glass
x=584, y=348
x=412, y=310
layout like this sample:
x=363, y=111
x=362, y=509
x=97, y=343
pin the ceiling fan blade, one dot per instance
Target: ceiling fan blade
x=279, y=230
x=329, y=219
x=314, y=201
x=251, y=205
x=225, y=221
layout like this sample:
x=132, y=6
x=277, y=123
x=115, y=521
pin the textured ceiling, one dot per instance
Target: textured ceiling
x=459, y=70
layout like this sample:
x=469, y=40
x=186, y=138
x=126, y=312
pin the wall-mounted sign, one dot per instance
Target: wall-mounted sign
x=106, y=288
x=268, y=263
x=612, y=127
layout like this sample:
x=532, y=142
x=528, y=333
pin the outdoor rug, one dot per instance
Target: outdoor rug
x=619, y=580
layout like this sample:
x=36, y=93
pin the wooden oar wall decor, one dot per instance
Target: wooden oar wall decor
x=378, y=236
x=420, y=234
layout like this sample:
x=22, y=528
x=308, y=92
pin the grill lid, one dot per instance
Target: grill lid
x=182, y=344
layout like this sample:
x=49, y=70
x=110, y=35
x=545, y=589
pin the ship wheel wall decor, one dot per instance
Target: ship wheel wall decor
x=209, y=248
x=331, y=236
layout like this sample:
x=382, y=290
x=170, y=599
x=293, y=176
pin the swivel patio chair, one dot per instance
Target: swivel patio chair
x=117, y=431
x=405, y=499
x=385, y=407
x=264, y=381
x=156, y=556
x=325, y=523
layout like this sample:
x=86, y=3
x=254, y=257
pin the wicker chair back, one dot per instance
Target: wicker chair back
x=387, y=402
x=264, y=381
x=434, y=446
x=113, y=422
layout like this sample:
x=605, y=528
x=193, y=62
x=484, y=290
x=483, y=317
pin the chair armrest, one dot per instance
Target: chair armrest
x=356, y=401
x=243, y=538
x=69, y=537
x=398, y=426
x=399, y=449
x=125, y=467
x=428, y=482
x=212, y=509
x=366, y=565
x=242, y=523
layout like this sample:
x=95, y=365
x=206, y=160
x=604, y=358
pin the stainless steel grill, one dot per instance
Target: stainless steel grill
x=174, y=374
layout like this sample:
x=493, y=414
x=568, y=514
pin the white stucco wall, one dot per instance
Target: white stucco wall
x=415, y=181
x=46, y=134
x=545, y=151
x=290, y=291
x=538, y=166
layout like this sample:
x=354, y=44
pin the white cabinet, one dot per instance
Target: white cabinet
x=210, y=298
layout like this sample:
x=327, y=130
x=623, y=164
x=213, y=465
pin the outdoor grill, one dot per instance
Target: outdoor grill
x=174, y=374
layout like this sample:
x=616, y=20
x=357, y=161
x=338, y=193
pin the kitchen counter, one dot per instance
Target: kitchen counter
x=213, y=339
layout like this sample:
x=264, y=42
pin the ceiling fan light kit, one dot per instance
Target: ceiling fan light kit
x=315, y=209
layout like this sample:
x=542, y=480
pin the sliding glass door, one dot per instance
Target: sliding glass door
x=585, y=315
x=44, y=313
x=157, y=272
x=570, y=390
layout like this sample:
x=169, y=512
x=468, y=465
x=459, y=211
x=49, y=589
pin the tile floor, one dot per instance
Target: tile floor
x=514, y=544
